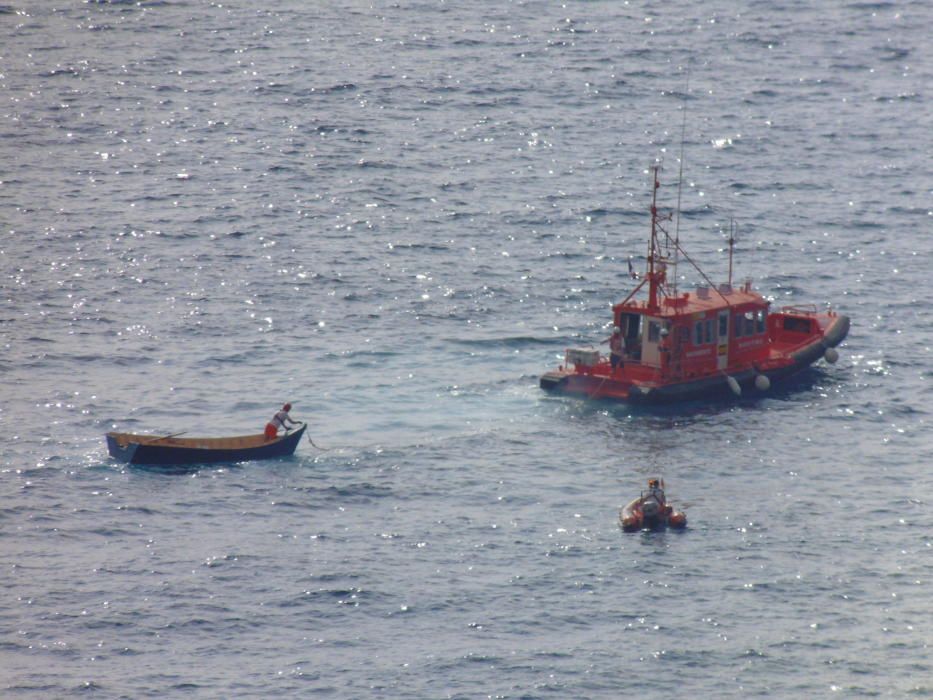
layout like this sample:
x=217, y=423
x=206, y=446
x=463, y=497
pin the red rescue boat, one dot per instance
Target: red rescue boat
x=651, y=510
x=712, y=340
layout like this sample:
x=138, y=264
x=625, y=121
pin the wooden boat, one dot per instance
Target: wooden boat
x=696, y=344
x=174, y=450
x=651, y=510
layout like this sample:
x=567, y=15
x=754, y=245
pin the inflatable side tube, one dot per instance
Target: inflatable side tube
x=834, y=335
x=707, y=387
x=837, y=332
x=631, y=518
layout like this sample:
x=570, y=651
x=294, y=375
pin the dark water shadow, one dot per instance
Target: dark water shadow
x=188, y=469
x=658, y=538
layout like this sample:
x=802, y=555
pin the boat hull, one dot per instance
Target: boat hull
x=633, y=518
x=610, y=387
x=144, y=449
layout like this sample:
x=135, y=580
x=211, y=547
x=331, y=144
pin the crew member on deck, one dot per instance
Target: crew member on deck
x=616, y=348
x=280, y=420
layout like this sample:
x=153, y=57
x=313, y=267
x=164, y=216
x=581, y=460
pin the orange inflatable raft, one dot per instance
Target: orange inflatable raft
x=651, y=510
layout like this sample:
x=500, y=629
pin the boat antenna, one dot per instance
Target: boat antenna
x=656, y=274
x=680, y=180
x=733, y=230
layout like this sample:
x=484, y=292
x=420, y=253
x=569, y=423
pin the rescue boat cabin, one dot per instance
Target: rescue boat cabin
x=696, y=334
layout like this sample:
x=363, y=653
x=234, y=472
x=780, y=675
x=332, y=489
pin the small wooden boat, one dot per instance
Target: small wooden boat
x=174, y=450
x=652, y=511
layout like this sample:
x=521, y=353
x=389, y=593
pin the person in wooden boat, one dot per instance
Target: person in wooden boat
x=617, y=349
x=282, y=420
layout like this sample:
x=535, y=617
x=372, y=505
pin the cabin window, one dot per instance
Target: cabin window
x=654, y=329
x=749, y=323
x=760, y=321
x=723, y=325
x=797, y=325
x=739, y=325
x=698, y=333
x=709, y=330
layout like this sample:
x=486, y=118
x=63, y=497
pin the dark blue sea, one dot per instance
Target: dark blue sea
x=396, y=215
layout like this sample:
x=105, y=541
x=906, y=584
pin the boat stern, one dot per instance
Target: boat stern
x=121, y=449
x=553, y=381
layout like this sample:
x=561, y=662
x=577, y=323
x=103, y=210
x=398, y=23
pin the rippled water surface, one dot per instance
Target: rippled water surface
x=397, y=216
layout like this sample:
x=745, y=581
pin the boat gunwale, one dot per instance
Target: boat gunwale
x=234, y=442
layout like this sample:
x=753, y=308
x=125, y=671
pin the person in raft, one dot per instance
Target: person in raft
x=282, y=420
x=655, y=490
x=616, y=348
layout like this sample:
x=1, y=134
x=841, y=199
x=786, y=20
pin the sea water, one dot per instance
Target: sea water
x=397, y=216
